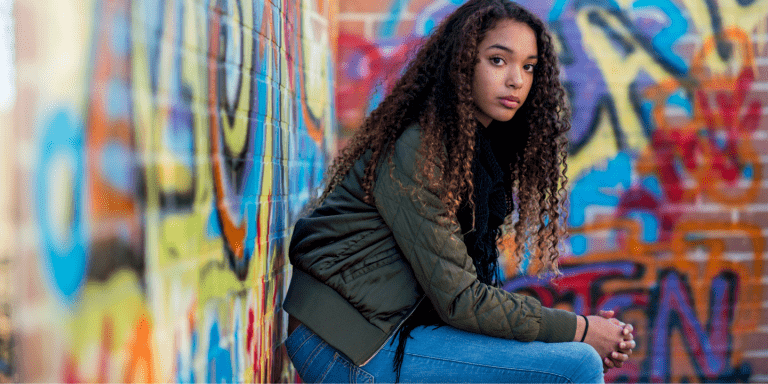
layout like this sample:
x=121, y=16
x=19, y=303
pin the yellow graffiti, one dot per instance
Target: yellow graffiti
x=732, y=14
x=235, y=131
x=619, y=72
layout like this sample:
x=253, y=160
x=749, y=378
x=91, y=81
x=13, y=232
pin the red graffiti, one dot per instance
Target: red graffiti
x=362, y=67
x=713, y=146
x=698, y=150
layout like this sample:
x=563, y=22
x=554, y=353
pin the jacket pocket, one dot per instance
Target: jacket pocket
x=370, y=263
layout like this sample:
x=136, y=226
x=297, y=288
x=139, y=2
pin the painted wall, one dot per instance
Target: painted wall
x=669, y=143
x=7, y=224
x=161, y=150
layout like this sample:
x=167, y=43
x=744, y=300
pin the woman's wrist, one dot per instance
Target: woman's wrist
x=580, y=327
x=586, y=328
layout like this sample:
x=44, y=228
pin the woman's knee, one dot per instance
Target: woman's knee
x=589, y=368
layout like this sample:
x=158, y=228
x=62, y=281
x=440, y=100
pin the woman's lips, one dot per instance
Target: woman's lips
x=510, y=102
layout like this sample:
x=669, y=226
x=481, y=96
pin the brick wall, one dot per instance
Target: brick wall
x=7, y=226
x=160, y=151
x=668, y=153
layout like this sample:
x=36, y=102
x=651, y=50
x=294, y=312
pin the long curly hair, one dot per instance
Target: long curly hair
x=435, y=92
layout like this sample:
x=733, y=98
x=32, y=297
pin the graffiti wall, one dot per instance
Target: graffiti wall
x=668, y=206
x=164, y=148
x=7, y=225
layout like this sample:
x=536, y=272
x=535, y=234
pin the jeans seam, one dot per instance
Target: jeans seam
x=318, y=348
x=300, y=345
x=329, y=367
x=368, y=378
x=347, y=366
x=355, y=371
x=492, y=366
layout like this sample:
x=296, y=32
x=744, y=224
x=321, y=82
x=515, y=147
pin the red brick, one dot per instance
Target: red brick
x=758, y=95
x=405, y=28
x=747, y=320
x=761, y=48
x=758, y=146
x=741, y=243
x=759, y=364
x=720, y=216
x=416, y=7
x=24, y=199
x=754, y=217
x=762, y=73
x=24, y=112
x=352, y=27
x=27, y=33
x=734, y=195
x=365, y=6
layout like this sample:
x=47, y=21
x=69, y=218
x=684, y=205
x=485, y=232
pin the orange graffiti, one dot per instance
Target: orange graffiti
x=673, y=254
x=106, y=201
x=140, y=365
x=234, y=233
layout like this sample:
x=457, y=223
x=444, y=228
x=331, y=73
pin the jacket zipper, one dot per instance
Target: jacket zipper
x=394, y=331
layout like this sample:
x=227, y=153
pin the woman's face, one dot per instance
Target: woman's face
x=504, y=72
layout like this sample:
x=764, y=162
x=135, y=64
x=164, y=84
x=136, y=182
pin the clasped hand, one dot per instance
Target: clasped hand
x=611, y=338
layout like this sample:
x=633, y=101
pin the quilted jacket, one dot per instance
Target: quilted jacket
x=359, y=270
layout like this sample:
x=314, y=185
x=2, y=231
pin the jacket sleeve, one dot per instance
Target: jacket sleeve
x=430, y=240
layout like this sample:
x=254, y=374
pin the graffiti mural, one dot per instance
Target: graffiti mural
x=170, y=149
x=667, y=198
x=7, y=239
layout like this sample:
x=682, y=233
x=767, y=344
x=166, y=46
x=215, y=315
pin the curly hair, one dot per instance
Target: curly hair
x=435, y=92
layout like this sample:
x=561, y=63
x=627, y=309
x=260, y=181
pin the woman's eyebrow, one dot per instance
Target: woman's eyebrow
x=510, y=50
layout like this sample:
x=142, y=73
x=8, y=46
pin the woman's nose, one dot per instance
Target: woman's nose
x=515, y=78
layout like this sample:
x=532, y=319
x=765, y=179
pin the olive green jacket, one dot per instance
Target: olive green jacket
x=360, y=270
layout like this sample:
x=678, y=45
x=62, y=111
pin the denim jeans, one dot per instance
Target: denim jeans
x=448, y=355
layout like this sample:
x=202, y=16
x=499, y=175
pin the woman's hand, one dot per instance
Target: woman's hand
x=605, y=336
x=624, y=348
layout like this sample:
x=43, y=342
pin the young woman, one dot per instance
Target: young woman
x=395, y=272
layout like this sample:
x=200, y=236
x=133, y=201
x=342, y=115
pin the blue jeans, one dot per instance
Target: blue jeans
x=448, y=355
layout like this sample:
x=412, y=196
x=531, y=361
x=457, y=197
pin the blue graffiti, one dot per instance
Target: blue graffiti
x=219, y=358
x=664, y=40
x=185, y=371
x=675, y=309
x=592, y=189
x=62, y=150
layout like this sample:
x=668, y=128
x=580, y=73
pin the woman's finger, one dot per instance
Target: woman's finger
x=627, y=344
x=619, y=357
x=606, y=314
x=616, y=322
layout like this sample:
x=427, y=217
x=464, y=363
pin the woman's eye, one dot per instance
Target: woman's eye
x=496, y=60
x=529, y=67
